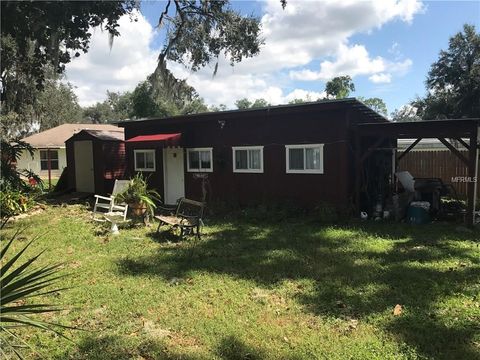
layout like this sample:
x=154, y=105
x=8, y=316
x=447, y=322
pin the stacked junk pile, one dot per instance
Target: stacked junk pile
x=419, y=200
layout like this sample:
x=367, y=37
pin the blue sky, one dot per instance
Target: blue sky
x=421, y=41
x=387, y=46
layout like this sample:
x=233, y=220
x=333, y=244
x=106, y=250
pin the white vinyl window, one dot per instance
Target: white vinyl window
x=304, y=159
x=200, y=160
x=44, y=154
x=144, y=160
x=248, y=159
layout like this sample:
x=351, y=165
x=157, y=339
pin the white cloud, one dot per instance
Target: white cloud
x=315, y=29
x=380, y=78
x=305, y=31
x=120, y=69
x=400, y=67
x=304, y=95
x=395, y=50
x=354, y=61
x=229, y=88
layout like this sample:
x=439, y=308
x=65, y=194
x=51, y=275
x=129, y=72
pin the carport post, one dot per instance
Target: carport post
x=472, y=174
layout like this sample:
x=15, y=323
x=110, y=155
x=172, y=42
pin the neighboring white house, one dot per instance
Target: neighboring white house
x=429, y=144
x=50, y=145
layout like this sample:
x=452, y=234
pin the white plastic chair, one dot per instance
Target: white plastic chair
x=407, y=180
x=108, y=203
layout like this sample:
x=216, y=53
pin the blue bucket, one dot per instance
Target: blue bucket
x=417, y=215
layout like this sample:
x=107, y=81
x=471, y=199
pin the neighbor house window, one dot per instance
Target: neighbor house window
x=200, y=160
x=44, y=159
x=144, y=160
x=248, y=159
x=304, y=159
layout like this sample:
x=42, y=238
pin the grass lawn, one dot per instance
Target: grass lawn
x=250, y=290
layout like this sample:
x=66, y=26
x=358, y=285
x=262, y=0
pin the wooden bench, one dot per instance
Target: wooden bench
x=186, y=216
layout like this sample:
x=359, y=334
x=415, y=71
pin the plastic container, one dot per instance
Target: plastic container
x=417, y=215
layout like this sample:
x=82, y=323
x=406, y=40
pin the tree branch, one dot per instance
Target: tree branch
x=178, y=32
x=164, y=14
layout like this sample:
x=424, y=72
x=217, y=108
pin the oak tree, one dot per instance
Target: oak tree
x=340, y=87
x=376, y=104
x=453, y=82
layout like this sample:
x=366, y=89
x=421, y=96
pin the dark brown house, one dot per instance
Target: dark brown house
x=300, y=154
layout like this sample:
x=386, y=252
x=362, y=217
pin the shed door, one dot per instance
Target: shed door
x=173, y=173
x=84, y=177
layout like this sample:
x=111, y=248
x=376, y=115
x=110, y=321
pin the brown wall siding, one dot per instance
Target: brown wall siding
x=70, y=164
x=273, y=132
x=114, y=160
x=274, y=185
x=108, y=162
x=441, y=164
x=98, y=167
x=114, y=163
x=155, y=179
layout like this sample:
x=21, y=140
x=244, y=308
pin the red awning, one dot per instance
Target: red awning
x=156, y=137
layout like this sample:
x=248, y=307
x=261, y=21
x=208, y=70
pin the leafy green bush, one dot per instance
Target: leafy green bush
x=16, y=195
x=11, y=176
x=14, y=202
x=271, y=211
x=325, y=213
x=267, y=211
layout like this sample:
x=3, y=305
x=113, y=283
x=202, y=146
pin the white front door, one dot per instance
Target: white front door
x=173, y=175
x=84, y=179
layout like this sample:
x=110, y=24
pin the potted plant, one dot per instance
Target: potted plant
x=138, y=197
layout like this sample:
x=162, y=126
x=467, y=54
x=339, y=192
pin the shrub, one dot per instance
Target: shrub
x=271, y=211
x=16, y=195
x=264, y=211
x=325, y=213
x=14, y=202
x=11, y=176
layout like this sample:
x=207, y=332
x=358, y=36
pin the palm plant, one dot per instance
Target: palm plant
x=11, y=152
x=19, y=283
